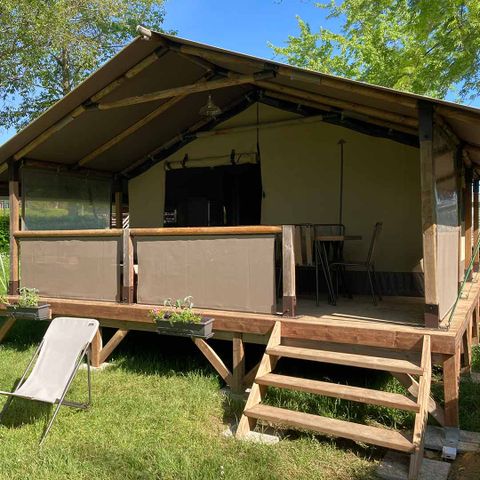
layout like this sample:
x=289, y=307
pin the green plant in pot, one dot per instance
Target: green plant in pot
x=27, y=305
x=178, y=318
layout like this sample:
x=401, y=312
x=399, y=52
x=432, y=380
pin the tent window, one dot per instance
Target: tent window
x=63, y=201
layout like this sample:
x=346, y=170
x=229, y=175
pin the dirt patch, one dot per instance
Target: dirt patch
x=466, y=467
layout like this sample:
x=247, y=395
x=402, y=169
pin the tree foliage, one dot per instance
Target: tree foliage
x=47, y=47
x=428, y=47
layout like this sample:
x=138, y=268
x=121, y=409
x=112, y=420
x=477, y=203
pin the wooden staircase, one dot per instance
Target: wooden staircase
x=401, y=364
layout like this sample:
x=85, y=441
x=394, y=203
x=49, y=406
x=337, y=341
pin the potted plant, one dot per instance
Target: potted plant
x=27, y=306
x=181, y=320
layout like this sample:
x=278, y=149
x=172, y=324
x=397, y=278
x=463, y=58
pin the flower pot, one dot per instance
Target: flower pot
x=203, y=329
x=41, y=312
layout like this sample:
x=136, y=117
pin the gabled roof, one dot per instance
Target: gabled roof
x=90, y=128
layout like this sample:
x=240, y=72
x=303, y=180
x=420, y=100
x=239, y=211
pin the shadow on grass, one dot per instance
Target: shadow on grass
x=25, y=412
x=25, y=334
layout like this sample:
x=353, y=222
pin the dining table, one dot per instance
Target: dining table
x=321, y=257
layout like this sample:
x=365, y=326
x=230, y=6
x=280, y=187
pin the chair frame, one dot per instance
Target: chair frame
x=86, y=352
x=369, y=264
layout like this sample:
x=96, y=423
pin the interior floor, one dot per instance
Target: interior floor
x=360, y=308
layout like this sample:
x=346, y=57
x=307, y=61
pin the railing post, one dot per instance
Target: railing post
x=128, y=272
x=429, y=217
x=288, y=263
x=468, y=219
x=14, y=201
x=475, y=222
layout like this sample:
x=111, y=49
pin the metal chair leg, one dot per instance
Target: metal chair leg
x=375, y=281
x=372, y=289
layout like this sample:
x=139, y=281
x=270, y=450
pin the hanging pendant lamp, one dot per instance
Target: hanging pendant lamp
x=210, y=109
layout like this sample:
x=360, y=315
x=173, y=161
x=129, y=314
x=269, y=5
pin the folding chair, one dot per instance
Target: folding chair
x=55, y=364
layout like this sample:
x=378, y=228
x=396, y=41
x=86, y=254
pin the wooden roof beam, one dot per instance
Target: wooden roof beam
x=342, y=104
x=232, y=80
x=132, y=72
x=303, y=76
x=361, y=116
x=137, y=125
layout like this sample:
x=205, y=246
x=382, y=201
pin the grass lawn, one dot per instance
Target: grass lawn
x=155, y=416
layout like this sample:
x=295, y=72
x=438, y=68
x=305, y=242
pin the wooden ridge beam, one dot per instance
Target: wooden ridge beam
x=137, y=125
x=132, y=72
x=338, y=103
x=233, y=80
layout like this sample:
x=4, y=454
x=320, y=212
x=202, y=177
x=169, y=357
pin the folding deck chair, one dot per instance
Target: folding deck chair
x=58, y=358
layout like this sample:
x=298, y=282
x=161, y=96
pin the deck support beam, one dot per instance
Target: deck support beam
x=451, y=379
x=6, y=327
x=97, y=345
x=214, y=359
x=112, y=344
x=238, y=366
x=429, y=225
x=14, y=205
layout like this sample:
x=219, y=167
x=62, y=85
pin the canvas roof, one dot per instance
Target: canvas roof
x=63, y=135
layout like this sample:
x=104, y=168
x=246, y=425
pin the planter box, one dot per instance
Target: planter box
x=42, y=312
x=204, y=329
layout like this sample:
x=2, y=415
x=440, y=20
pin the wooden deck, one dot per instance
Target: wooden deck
x=353, y=325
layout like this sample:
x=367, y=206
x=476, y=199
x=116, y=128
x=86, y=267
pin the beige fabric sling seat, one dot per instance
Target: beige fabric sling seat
x=55, y=364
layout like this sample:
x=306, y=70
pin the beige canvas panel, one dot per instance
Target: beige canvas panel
x=220, y=272
x=72, y=268
x=300, y=168
x=447, y=268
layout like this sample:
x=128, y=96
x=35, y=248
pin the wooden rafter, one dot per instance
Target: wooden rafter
x=137, y=125
x=135, y=70
x=184, y=137
x=233, y=80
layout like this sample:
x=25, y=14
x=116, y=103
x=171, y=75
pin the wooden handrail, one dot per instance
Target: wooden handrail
x=189, y=231
x=143, y=232
x=111, y=232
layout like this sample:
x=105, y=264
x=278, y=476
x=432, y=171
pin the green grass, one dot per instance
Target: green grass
x=157, y=414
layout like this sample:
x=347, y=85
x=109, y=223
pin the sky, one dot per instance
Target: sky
x=242, y=25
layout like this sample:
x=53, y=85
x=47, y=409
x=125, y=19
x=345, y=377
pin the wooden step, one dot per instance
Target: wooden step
x=330, y=426
x=350, y=359
x=346, y=392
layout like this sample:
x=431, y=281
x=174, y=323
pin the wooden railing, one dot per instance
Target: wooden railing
x=127, y=286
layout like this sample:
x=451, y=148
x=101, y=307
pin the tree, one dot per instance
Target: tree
x=422, y=46
x=47, y=47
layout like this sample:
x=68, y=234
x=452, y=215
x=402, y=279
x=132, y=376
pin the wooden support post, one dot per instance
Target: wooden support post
x=128, y=271
x=451, y=378
x=429, y=225
x=14, y=205
x=6, y=327
x=288, y=263
x=238, y=368
x=112, y=344
x=476, y=221
x=468, y=219
x=118, y=209
x=97, y=345
x=214, y=359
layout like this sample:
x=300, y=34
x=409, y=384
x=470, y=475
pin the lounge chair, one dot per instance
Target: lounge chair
x=55, y=364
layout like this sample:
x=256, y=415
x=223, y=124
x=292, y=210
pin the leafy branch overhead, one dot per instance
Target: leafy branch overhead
x=423, y=46
x=47, y=47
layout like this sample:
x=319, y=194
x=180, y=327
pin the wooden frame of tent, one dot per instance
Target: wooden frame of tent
x=409, y=118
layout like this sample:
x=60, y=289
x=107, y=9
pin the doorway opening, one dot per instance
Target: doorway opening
x=218, y=196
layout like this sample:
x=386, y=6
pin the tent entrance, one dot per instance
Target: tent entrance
x=218, y=196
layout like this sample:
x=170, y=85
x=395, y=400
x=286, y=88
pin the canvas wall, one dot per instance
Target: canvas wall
x=300, y=176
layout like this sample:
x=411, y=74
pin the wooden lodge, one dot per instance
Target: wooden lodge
x=235, y=179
